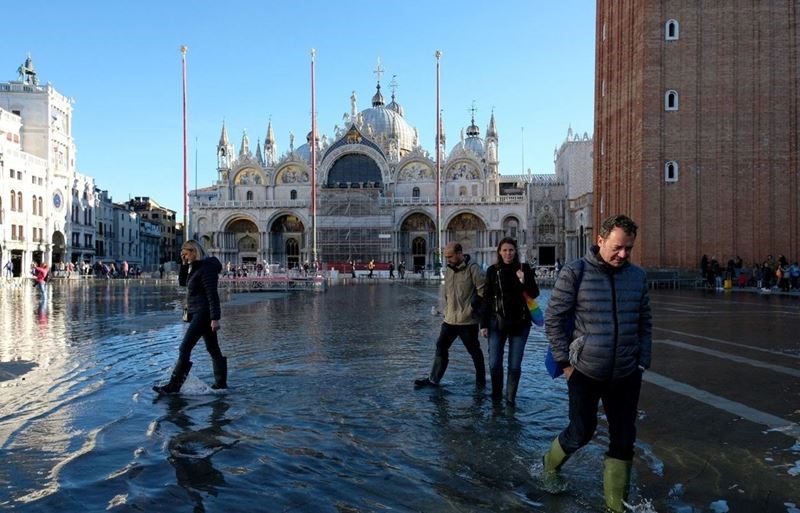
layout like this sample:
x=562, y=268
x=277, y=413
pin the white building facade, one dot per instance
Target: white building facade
x=46, y=132
x=376, y=196
x=24, y=202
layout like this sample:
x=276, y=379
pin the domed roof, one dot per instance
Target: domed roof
x=395, y=106
x=304, y=151
x=385, y=121
x=472, y=142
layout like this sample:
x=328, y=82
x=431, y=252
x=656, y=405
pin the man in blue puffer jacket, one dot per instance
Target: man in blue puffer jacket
x=599, y=326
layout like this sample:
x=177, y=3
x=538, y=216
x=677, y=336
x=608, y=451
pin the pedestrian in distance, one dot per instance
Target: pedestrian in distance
x=200, y=275
x=391, y=270
x=506, y=316
x=598, y=324
x=41, y=274
x=463, y=290
x=401, y=269
x=370, y=267
x=161, y=271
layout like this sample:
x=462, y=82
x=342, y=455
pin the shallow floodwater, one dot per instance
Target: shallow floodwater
x=321, y=416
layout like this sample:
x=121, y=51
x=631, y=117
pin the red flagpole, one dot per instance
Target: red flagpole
x=438, y=169
x=186, y=234
x=313, y=163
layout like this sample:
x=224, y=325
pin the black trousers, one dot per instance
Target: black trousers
x=200, y=326
x=620, y=402
x=468, y=333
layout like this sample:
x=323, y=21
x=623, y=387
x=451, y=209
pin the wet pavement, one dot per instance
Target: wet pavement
x=322, y=414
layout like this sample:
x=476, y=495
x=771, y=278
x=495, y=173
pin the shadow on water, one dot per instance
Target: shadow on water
x=321, y=415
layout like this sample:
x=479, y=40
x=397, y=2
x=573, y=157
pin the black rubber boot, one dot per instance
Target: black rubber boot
x=511, y=386
x=497, y=385
x=220, y=373
x=179, y=374
x=437, y=372
x=480, y=369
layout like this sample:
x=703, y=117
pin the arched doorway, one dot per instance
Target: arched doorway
x=284, y=229
x=241, y=238
x=58, y=247
x=417, y=235
x=248, y=249
x=468, y=230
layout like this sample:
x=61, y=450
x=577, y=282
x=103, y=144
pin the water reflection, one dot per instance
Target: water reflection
x=321, y=416
x=192, y=448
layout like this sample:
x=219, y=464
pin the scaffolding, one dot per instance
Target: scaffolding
x=354, y=225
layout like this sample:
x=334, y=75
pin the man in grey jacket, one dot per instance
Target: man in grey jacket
x=598, y=324
x=463, y=289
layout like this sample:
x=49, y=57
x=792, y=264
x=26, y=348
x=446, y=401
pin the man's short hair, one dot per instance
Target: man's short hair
x=456, y=247
x=618, y=221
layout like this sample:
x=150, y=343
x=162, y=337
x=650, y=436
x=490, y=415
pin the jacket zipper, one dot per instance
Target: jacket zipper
x=616, y=324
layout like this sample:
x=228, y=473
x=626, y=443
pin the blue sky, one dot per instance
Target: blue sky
x=532, y=61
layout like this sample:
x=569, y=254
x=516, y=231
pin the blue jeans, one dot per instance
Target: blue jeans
x=200, y=326
x=516, y=347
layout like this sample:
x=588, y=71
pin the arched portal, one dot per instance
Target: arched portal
x=417, y=235
x=59, y=246
x=284, y=229
x=242, y=234
x=468, y=230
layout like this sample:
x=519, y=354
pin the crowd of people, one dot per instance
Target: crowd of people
x=771, y=274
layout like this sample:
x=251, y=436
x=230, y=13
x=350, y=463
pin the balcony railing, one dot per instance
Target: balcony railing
x=279, y=203
x=395, y=201
x=457, y=200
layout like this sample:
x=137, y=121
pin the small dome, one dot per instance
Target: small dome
x=395, y=106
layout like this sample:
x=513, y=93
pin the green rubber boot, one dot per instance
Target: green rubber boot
x=553, y=460
x=616, y=480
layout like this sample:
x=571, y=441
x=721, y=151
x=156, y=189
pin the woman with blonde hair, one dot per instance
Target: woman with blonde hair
x=200, y=275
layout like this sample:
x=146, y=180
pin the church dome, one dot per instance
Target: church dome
x=472, y=142
x=304, y=151
x=383, y=121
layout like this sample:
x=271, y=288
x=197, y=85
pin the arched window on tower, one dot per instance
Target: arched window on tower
x=671, y=171
x=293, y=194
x=671, y=100
x=19, y=202
x=33, y=202
x=671, y=30
x=41, y=212
x=415, y=192
x=13, y=200
x=249, y=195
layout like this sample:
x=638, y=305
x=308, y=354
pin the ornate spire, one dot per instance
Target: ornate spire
x=473, y=130
x=377, y=100
x=394, y=105
x=244, y=151
x=270, y=145
x=492, y=130
x=259, y=154
x=223, y=138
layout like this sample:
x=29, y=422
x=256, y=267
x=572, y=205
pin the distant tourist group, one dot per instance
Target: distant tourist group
x=771, y=274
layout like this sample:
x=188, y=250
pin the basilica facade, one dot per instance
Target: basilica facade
x=376, y=196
